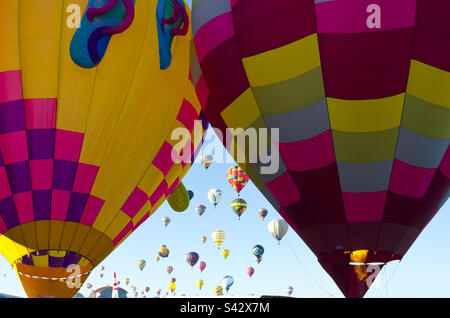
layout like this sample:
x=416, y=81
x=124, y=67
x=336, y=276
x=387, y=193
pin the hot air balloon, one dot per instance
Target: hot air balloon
x=173, y=280
x=262, y=213
x=204, y=238
x=179, y=199
x=227, y=282
x=172, y=287
x=225, y=253
x=147, y=289
x=218, y=291
x=201, y=266
x=85, y=131
x=358, y=99
x=215, y=196
x=218, y=237
x=258, y=251
x=166, y=221
x=163, y=251
x=191, y=258
x=169, y=269
x=239, y=206
x=250, y=271
x=200, y=283
x=102, y=268
x=141, y=264
x=207, y=160
x=101, y=275
x=89, y=285
x=237, y=178
x=127, y=281
x=278, y=229
x=289, y=290
x=191, y=194
x=200, y=209
x=133, y=288
x=157, y=258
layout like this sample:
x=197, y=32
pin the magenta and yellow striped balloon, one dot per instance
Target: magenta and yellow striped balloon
x=359, y=93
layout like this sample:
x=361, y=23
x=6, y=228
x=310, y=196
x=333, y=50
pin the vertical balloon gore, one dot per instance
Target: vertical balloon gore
x=91, y=40
x=172, y=20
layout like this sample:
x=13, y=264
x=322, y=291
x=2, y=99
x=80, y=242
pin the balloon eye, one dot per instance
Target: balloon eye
x=172, y=20
x=91, y=40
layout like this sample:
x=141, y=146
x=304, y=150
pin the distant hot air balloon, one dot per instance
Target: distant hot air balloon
x=89, y=285
x=200, y=209
x=359, y=97
x=101, y=275
x=169, y=269
x=163, y=251
x=278, y=229
x=173, y=280
x=262, y=213
x=147, y=289
x=215, y=196
x=179, y=199
x=227, y=282
x=289, y=290
x=218, y=237
x=207, y=160
x=225, y=253
x=127, y=281
x=141, y=264
x=204, y=238
x=237, y=178
x=166, y=221
x=191, y=194
x=201, y=266
x=191, y=258
x=133, y=288
x=250, y=271
x=200, y=283
x=218, y=291
x=239, y=206
x=157, y=258
x=172, y=287
x=258, y=251
x=102, y=268
x=85, y=122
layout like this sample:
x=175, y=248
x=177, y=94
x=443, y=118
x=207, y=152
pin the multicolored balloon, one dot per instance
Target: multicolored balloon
x=169, y=269
x=200, y=209
x=239, y=206
x=250, y=271
x=204, y=238
x=192, y=258
x=207, y=160
x=237, y=178
x=218, y=291
x=157, y=258
x=163, y=251
x=215, y=196
x=227, y=282
x=363, y=151
x=190, y=194
x=141, y=264
x=278, y=229
x=262, y=213
x=218, y=237
x=258, y=252
x=201, y=266
x=84, y=130
x=166, y=221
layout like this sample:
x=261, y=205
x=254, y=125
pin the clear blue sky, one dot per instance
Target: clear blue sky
x=424, y=271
